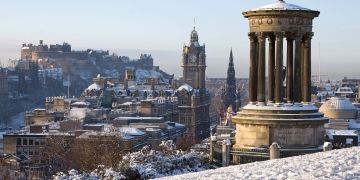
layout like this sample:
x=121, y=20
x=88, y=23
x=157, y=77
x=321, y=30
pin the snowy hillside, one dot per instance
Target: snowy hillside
x=142, y=74
x=335, y=164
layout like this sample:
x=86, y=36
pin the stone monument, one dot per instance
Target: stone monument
x=285, y=114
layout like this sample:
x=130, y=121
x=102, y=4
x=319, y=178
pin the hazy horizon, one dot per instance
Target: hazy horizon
x=161, y=28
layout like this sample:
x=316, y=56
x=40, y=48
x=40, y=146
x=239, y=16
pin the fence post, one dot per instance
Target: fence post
x=212, y=143
x=274, y=151
x=327, y=146
x=226, y=152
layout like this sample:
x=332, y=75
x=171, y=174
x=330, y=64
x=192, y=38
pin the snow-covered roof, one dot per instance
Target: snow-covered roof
x=332, y=132
x=131, y=131
x=152, y=129
x=280, y=5
x=94, y=86
x=185, y=87
x=292, y=107
x=344, y=90
x=80, y=103
x=335, y=164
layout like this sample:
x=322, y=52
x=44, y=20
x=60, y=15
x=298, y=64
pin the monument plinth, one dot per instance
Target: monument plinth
x=284, y=114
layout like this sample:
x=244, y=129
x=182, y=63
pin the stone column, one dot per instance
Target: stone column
x=297, y=69
x=289, y=70
x=278, y=66
x=271, y=67
x=253, y=68
x=261, y=69
x=307, y=68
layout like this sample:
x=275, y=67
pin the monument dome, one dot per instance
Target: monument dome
x=339, y=108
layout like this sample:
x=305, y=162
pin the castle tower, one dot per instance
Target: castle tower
x=194, y=62
x=284, y=115
x=230, y=87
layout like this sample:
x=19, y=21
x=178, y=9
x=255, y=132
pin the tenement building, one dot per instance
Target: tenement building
x=193, y=97
x=285, y=114
x=4, y=90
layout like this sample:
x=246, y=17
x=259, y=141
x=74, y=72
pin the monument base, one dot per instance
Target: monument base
x=297, y=128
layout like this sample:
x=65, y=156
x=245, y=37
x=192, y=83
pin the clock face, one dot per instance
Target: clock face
x=192, y=59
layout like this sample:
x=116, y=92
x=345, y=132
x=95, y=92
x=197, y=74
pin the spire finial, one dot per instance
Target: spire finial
x=194, y=23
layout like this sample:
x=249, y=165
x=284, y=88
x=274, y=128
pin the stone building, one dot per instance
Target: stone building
x=4, y=89
x=160, y=107
x=31, y=144
x=42, y=116
x=157, y=129
x=57, y=104
x=43, y=51
x=193, y=97
x=285, y=114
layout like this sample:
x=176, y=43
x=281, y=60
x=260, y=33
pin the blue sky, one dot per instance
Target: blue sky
x=161, y=27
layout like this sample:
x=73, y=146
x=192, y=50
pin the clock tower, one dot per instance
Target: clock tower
x=193, y=97
x=194, y=62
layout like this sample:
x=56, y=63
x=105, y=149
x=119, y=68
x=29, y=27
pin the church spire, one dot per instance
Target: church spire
x=231, y=60
x=230, y=87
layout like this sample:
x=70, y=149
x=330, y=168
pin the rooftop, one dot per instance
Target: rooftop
x=185, y=87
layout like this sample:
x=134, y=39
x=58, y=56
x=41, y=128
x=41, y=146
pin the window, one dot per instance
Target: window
x=31, y=152
x=37, y=142
x=19, y=151
x=36, y=151
x=31, y=141
x=25, y=141
x=42, y=141
x=18, y=141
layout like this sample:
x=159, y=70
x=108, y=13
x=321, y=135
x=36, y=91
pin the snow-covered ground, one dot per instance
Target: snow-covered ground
x=335, y=164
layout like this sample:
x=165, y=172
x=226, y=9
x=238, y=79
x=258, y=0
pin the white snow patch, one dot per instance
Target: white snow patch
x=131, y=131
x=94, y=86
x=186, y=87
x=335, y=164
x=78, y=113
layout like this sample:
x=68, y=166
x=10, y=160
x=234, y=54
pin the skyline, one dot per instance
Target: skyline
x=161, y=28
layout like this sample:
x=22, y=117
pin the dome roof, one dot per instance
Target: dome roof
x=338, y=107
x=185, y=87
x=94, y=86
x=337, y=103
x=281, y=5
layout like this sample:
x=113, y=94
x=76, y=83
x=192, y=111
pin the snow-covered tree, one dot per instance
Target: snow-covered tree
x=148, y=163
